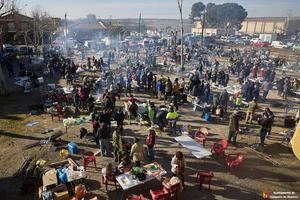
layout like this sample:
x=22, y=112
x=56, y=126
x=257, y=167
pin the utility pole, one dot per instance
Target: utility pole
x=203, y=27
x=140, y=20
x=66, y=26
x=180, y=3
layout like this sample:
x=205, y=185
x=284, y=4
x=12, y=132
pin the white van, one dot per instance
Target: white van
x=278, y=45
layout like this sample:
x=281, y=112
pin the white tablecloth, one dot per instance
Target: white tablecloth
x=192, y=145
x=126, y=180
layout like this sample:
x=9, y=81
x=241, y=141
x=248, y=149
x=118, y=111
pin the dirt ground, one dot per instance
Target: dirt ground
x=275, y=169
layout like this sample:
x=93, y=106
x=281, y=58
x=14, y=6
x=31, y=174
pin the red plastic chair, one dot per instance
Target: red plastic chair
x=136, y=197
x=201, y=135
x=107, y=179
x=173, y=190
x=160, y=194
x=204, y=177
x=88, y=157
x=59, y=112
x=219, y=148
x=234, y=160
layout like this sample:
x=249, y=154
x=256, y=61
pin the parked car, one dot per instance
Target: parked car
x=24, y=50
x=262, y=44
x=255, y=40
x=290, y=44
x=246, y=37
x=8, y=48
x=296, y=47
x=242, y=41
x=230, y=39
x=278, y=45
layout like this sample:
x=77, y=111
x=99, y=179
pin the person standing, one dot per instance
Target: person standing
x=224, y=98
x=251, y=111
x=159, y=89
x=176, y=87
x=264, y=128
x=285, y=89
x=96, y=125
x=151, y=113
x=172, y=117
x=233, y=127
x=119, y=117
x=103, y=135
x=270, y=115
x=255, y=91
x=238, y=101
x=182, y=86
x=153, y=84
x=266, y=86
x=169, y=87
x=150, y=141
x=178, y=166
x=117, y=144
x=137, y=151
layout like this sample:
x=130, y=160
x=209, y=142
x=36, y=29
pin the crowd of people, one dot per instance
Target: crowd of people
x=99, y=92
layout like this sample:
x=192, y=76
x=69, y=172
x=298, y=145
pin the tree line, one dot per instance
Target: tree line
x=226, y=15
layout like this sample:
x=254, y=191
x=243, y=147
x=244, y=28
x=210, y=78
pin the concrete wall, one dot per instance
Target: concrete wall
x=256, y=27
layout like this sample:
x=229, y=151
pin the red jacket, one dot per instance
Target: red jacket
x=96, y=126
x=151, y=139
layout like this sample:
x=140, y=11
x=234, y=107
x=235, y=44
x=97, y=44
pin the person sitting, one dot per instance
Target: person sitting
x=107, y=170
x=219, y=111
x=126, y=164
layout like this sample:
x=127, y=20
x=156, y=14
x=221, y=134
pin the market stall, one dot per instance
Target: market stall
x=60, y=180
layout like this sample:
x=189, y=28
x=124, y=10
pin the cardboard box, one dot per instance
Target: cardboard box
x=49, y=178
x=61, y=192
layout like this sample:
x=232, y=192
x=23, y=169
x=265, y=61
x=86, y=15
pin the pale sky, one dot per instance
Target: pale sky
x=153, y=8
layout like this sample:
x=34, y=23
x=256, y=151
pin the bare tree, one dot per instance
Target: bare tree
x=7, y=6
x=180, y=4
x=43, y=26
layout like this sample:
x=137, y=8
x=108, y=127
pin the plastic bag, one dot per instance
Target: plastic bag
x=62, y=175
